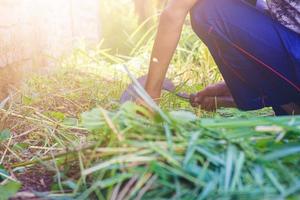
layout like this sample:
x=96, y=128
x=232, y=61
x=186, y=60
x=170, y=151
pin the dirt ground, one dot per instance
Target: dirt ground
x=36, y=179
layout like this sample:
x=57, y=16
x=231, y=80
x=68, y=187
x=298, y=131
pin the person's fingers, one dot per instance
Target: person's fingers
x=193, y=101
x=197, y=100
x=208, y=104
x=226, y=102
x=219, y=89
x=209, y=93
x=199, y=97
x=213, y=103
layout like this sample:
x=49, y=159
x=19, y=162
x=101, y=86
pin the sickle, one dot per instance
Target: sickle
x=130, y=94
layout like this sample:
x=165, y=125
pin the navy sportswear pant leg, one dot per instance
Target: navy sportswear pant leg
x=258, y=57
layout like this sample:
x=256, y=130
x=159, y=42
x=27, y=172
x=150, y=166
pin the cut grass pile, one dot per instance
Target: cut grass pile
x=177, y=155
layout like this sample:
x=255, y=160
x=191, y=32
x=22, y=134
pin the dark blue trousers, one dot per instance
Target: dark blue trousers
x=258, y=57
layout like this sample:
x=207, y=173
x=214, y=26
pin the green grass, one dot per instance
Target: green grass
x=69, y=122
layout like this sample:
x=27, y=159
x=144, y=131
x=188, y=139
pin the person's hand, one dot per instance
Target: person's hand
x=213, y=97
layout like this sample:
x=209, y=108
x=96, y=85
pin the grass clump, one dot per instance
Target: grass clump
x=68, y=129
x=184, y=157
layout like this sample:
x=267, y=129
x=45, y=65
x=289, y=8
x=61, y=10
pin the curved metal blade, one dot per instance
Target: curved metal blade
x=130, y=94
x=184, y=96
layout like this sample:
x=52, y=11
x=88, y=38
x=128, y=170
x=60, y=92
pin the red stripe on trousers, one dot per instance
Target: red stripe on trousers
x=236, y=72
x=265, y=65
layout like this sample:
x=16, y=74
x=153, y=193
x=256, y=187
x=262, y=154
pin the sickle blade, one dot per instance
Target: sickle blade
x=130, y=94
x=184, y=96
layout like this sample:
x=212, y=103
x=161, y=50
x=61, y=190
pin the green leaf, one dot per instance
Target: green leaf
x=119, y=178
x=191, y=148
x=231, y=153
x=70, y=122
x=20, y=146
x=133, y=109
x=70, y=184
x=27, y=100
x=9, y=190
x=92, y=120
x=183, y=117
x=3, y=172
x=165, y=154
x=215, y=159
x=56, y=115
x=284, y=152
x=5, y=135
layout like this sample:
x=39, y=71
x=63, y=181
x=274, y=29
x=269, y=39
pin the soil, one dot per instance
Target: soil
x=36, y=179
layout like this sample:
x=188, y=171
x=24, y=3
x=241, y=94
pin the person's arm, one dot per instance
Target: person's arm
x=168, y=35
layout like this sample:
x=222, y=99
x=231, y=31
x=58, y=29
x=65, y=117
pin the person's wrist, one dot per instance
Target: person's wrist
x=154, y=94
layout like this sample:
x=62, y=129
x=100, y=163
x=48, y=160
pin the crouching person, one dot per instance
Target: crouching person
x=257, y=51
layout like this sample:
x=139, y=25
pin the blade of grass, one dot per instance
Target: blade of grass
x=229, y=166
x=238, y=170
x=118, y=160
x=284, y=152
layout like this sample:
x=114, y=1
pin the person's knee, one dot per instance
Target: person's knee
x=206, y=13
x=200, y=15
